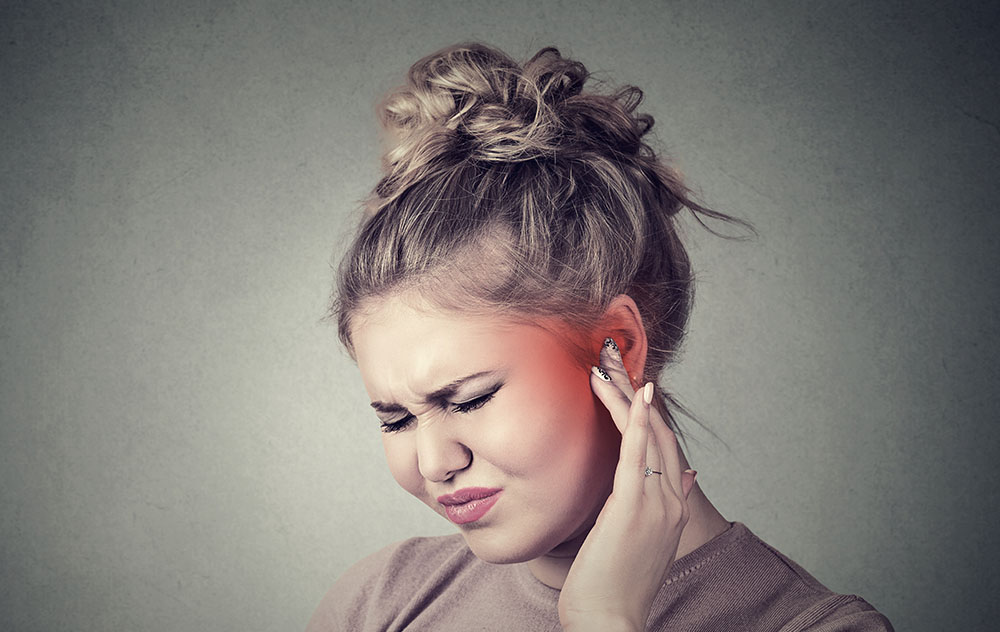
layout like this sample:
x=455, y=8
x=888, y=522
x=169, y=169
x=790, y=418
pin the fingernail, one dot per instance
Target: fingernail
x=601, y=373
x=647, y=393
x=610, y=344
x=613, y=350
x=694, y=473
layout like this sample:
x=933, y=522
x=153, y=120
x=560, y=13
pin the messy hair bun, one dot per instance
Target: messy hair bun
x=515, y=188
x=472, y=102
x=478, y=103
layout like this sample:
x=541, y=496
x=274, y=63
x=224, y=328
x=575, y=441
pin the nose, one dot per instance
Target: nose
x=439, y=454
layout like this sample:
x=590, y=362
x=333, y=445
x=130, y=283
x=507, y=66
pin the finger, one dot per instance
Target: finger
x=630, y=473
x=611, y=361
x=666, y=441
x=656, y=425
x=612, y=385
x=657, y=456
x=611, y=396
x=654, y=460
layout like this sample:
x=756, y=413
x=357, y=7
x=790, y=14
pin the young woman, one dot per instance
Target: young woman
x=512, y=298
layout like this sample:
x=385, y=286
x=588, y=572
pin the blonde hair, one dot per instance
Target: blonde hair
x=509, y=189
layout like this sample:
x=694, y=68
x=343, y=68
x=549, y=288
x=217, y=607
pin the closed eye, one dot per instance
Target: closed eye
x=473, y=404
x=463, y=407
x=396, y=426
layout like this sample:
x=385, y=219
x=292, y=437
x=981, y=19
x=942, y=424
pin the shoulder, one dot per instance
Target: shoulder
x=840, y=613
x=827, y=611
x=369, y=589
x=738, y=581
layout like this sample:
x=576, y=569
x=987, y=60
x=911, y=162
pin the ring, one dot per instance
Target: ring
x=650, y=470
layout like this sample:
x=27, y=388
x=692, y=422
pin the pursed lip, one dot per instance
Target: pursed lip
x=466, y=494
x=469, y=504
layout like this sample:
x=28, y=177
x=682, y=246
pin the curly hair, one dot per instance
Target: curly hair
x=510, y=189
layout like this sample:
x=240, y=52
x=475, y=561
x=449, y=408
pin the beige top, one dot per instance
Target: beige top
x=733, y=582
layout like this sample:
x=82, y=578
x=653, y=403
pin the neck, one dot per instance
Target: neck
x=704, y=523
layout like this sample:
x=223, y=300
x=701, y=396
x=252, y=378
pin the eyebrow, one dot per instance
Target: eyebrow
x=440, y=394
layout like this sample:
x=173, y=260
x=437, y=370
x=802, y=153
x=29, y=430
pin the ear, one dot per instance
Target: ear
x=623, y=322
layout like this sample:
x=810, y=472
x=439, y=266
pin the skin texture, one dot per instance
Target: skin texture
x=566, y=447
x=625, y=557
x=545, y=402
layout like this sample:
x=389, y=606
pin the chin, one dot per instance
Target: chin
x=501, y=548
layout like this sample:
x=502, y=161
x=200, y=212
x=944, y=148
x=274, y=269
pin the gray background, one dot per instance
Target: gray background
x=185, y=447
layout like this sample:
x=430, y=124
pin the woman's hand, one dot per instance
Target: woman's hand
x=625, y=559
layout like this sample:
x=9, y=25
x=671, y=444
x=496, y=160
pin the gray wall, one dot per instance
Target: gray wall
x=183, y=444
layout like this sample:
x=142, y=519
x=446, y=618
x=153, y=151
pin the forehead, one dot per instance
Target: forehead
x=404, y=344
x=397, y=324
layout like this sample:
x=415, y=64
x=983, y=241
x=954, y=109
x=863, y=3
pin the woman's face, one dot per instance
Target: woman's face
x=493, y=413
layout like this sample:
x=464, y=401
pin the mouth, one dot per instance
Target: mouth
x=469, y=504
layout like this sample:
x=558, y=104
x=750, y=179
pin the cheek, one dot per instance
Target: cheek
x=556, y=428
x=400, y=455
x=587, y=437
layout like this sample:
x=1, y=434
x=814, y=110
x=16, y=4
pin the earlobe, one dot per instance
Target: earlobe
x=623, y=322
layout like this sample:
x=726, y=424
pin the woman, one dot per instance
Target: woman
x=512, y=298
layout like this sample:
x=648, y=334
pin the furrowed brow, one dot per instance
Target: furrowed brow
x=441, y=394
x=388, y=408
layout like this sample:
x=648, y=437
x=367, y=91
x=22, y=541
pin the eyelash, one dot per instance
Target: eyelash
x=464, y=407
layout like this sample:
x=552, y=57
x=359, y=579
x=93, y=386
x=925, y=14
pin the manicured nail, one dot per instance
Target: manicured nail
x=694, y=473
x=601, y=373
x=613, y=350
x=647, y=393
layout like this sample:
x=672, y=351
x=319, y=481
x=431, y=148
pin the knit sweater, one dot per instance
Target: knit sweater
x=733, y=582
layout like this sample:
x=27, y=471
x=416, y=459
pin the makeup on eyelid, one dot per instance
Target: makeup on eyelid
x=535, y=429
x=456, y=407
